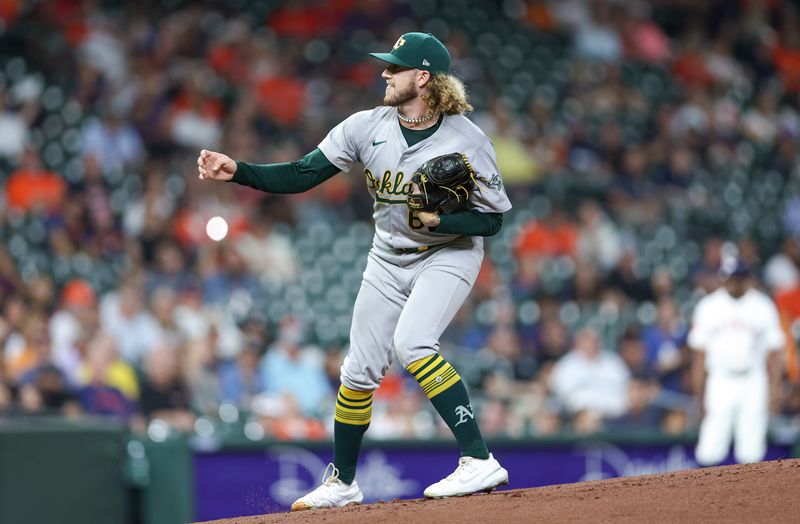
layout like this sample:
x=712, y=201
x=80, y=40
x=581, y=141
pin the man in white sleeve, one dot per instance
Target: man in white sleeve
x=737, y=335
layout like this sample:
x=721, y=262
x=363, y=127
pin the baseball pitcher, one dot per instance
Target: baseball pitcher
x=737, y=335
x=437, y=190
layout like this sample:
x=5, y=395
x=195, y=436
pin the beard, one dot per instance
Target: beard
x=401, y=97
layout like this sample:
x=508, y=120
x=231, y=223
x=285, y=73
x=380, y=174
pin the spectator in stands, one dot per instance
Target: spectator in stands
x=554, y=235
x=788, y=303
x=13, y=129
x=289, y=367
x=5, y=398
x=105, y=381
x=598, y=37
x=112, y=141
x=169, y=268
x=642, y=410
x=662, y=283
x=31, y=350
x=760, y=123
x=503, y=356
x=41, y=293
x=268, y=254
x=667, y=354
x=93, y=193
x=496, y=419
x=11, y=284
x=239, y=378
x=590, y=383
x=463, y=332
x=704, y=275
x=231, y=281
x=781, y=272
x=679, y=173
x=163, y=301
x=643, y=38
x=45, y=389
x=32, y=187
x=553, y=340
x=598, y=238
x=124, y=317
x=194, y=119
x=104, y=367
x=585, y=286
x=627, y=278
x=405, y=417
x=634, y=353
x=146, y=217
x=12, y=342
x=71, y=326
x=199, y=370
x=282, y=418
x=164, y=393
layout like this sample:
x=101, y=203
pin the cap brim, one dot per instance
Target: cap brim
x=389, y=57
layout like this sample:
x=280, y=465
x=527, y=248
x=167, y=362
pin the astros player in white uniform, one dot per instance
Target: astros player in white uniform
x=421, y=266
x=737, y=334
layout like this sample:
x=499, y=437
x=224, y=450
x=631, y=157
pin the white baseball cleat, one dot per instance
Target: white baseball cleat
x=333, y=493
x=471, y=476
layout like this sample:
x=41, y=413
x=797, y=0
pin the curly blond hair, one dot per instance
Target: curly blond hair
x=446, y=94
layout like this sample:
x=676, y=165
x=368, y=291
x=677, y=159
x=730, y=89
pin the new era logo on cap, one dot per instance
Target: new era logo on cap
x=425, y=62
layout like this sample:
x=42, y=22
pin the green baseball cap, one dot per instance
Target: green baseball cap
x=418, y=51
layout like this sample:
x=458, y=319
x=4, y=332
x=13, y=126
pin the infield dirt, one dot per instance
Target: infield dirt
x=764, y=492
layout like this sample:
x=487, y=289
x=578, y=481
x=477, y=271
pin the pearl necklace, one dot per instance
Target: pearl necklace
x=417, y=120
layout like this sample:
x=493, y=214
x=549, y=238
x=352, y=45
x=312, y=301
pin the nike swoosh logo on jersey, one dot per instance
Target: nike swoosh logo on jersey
x=374, y=143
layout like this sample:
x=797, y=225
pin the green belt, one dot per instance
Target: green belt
x=420, y=249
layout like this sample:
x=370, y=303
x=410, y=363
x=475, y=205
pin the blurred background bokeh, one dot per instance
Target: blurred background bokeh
x=639, y=142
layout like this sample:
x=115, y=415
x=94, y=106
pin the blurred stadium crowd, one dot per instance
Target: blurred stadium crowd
x=638, y=142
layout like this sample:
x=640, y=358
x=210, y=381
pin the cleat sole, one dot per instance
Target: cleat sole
x=302, y=506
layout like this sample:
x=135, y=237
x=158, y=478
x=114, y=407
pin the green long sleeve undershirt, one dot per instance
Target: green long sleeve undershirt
x=287, y=177
x=314, y=169
x=470, y=222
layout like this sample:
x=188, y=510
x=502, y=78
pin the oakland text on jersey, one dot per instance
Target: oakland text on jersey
x=388, y=185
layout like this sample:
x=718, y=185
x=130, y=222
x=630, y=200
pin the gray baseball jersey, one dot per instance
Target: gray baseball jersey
x=406, y=299
x=374, y=138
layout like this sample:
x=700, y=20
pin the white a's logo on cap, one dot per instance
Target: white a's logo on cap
x=400, y=42
x=425, y=62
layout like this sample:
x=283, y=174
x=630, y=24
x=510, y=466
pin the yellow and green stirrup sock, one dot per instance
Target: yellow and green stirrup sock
x=351, y=420
x=443, y=386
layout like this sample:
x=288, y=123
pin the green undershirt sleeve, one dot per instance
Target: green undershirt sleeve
x=286, y=177
x=470, y=222
x=314, y=169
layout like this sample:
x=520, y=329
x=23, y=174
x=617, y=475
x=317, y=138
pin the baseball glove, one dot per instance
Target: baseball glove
x=442, y=184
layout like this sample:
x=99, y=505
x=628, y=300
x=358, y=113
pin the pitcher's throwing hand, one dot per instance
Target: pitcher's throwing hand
x=215, y=166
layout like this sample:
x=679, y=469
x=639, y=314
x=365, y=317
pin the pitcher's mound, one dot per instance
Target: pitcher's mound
x=764, y=492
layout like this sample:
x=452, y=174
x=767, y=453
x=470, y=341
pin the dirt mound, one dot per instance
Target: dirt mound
x=764, y=492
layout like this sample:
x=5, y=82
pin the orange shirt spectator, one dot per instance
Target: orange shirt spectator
x=539, y=16
x=9, y=10
x=552, y=237
x=282, y=99
x=31, y=186
x=690, y=67
x=296, y=21
x=788, y=303
x=34, y=352
x=307, y=21
x=787, y=61
x=229, y=60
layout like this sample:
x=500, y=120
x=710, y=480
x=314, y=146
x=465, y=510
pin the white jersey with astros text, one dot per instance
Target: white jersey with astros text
x=374, y=138
x=736, y=334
